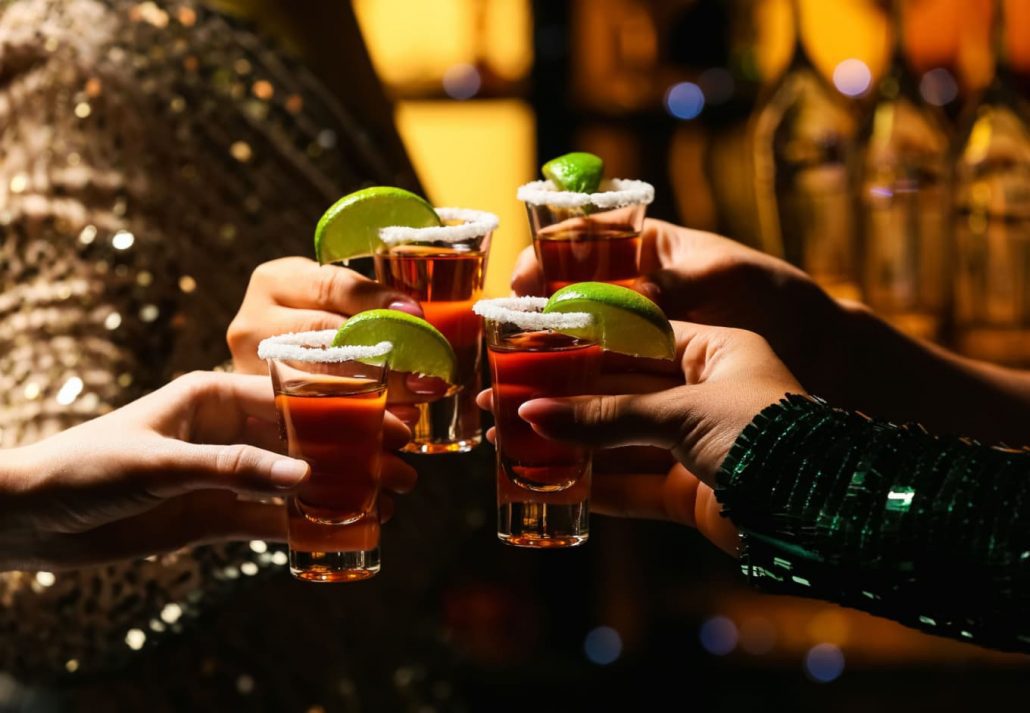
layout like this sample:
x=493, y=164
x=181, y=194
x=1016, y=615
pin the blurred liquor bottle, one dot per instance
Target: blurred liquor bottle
x=901, y=181
x=800, y=133
x=992, y=218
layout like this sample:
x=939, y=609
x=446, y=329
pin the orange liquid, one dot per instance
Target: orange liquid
x=601, y=255
x=446, y=282
x=530, y=366
x=340, y=436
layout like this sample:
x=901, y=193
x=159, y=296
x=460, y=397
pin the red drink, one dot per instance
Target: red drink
x=600, y=253
x=331, y=403
x=340, y=434
x=446, y=280
x=543, y=487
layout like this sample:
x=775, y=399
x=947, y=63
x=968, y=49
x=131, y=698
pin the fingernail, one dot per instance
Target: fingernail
x=539, y=410
x=650, y=290
x=287, y=473
x=406, y=306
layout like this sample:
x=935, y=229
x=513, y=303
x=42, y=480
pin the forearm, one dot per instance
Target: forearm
x=928, y=531
x=873, y=368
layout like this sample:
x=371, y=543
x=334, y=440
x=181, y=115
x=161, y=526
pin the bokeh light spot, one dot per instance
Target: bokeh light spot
x=685, y=100
x=824, y=663
x=461, y=81
x=938, y=87
x=852, y=77
x=602, y=645
x=718, y=635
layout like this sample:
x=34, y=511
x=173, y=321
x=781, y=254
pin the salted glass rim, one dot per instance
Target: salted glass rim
x=618, y=193
x=316, y=347
x=525, y=313
x=474, y=224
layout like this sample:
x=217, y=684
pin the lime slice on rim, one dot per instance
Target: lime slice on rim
x=624, y=321
x=579, y=172
x=418, y=346
x=350, y=228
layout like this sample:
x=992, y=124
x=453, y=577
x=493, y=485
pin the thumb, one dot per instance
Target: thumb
x=654, y=419
x=185, y=467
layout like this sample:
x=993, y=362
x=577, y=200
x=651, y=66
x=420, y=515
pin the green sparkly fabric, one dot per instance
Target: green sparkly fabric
x=931, y=531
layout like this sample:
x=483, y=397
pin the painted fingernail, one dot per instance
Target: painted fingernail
x=406, y=306
x=287, y=473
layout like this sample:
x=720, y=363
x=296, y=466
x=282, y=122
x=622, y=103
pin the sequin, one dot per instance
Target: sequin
x=69, y=391
x=263, y=90
x=88, y=234
x=122, y=240
x=171, y=613
x=241, y=151
x=19, y=182
x=135, y=639
x=112, y=321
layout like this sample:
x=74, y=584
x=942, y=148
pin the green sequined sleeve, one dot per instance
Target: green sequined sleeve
x=931, y=531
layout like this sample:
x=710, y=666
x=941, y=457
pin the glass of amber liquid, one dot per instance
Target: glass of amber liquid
x=443, y=268
x=543, y=487
x=331, y=403
x=581, y=237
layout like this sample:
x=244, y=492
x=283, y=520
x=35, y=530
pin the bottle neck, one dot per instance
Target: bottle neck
x=1002, y=70
x=899, y=79
x=800, y=57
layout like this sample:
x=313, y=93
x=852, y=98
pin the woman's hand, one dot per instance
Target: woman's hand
x=705, y=278
x=295, y=294
x=157, y=474
x=726, y=376
x=838, y=350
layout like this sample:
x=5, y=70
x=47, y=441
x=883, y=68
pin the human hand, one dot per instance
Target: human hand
x=157, y=474
x=295, y=294
x=726, y=376
x=701, y=277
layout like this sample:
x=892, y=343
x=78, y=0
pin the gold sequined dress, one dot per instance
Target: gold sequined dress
x=151, y=155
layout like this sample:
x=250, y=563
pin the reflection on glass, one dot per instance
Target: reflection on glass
x=992, y=222
x=800, y=135
x=902, y=183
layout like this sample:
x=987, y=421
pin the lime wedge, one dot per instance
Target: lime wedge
x=418, y=347
x=350, y=228
x=624, y=321
x=578, y=171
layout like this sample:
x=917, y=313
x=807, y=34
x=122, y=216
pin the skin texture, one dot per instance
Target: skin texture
x=158, y=474
x=662, y=430
x=837, y=350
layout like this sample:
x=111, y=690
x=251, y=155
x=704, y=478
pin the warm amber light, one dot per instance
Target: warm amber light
x=475, y=155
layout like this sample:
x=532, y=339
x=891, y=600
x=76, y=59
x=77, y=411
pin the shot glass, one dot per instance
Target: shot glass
x=580, y=237
x=543, y=487
x=443, y=268
x=331, y=403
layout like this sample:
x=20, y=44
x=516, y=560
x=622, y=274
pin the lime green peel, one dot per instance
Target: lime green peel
x=579, y=172
x=418, y=346
x=350, y=228
x=624, y=321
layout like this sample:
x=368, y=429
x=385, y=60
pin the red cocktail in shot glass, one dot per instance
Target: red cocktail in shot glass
x=543, y=486
x=581, y=237
x=443, y=268
x=331, y=403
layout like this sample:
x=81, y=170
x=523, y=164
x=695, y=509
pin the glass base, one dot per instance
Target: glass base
x=543, y=525
x=436, y=447
x=352, y=566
